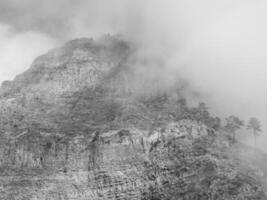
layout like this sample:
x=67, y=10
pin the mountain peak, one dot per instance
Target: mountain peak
x=79, y=60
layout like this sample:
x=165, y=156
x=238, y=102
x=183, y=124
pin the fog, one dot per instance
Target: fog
x=219, y=47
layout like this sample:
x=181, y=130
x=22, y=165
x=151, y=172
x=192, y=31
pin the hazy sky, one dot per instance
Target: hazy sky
x=219, y=46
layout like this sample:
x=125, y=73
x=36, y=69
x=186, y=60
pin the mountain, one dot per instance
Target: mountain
x=85, y=122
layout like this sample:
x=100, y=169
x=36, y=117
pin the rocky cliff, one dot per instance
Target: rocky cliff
x=74, y=127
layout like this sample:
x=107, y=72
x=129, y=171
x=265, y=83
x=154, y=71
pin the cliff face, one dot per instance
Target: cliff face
x=184, y=161
x=72, y=127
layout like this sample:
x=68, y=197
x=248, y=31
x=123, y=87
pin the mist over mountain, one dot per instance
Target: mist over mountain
x=87, y=121
x=133, y=100
x=206, y=43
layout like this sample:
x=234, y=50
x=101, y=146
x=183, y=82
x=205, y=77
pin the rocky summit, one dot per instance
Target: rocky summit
x=81, y=124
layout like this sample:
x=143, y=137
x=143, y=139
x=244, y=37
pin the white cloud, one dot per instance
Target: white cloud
x=219, y=46
x=17, y=50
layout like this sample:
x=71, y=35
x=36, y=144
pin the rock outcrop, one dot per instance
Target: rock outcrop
x=176, y=163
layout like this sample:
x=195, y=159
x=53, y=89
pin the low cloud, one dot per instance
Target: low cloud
x=17, y=50
x=219, y=47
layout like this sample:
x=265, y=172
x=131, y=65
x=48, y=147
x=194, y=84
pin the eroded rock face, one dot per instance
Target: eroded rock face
x=174, y=163
x=188, y=169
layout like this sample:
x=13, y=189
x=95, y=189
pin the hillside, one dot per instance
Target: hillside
x=80, y=123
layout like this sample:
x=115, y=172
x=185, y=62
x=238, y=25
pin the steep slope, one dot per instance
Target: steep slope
x=79, y=63
x=184, y=161
x=76, y=126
